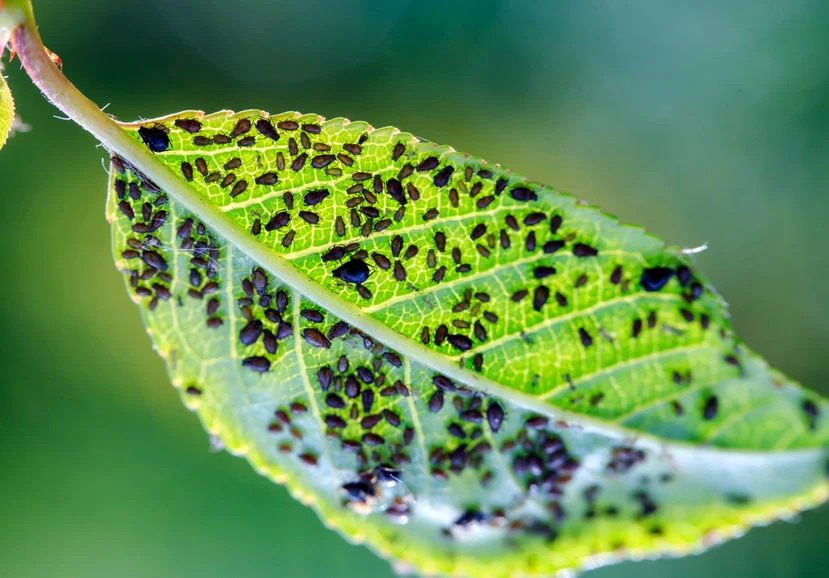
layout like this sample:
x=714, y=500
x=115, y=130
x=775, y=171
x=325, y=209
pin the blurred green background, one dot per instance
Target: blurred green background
x=703, y=121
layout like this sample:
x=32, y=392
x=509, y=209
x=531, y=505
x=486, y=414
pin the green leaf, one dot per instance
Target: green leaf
x=470, y=372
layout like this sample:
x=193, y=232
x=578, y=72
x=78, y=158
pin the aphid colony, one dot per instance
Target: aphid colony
x=412, y=223
x=477, y=250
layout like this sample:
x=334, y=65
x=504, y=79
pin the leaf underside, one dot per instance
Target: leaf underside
x=626, y=420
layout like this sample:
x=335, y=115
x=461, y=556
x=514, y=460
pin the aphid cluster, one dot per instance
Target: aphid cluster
x=360, y=397
x=144, y=206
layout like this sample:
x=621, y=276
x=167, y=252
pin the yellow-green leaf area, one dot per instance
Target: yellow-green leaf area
x=6, y=100
x=598, y=406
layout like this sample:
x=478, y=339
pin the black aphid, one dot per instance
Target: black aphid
x=155, y=138
x=655, y=278
x=353, y=271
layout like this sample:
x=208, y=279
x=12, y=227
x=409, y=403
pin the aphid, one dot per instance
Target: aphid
x=435, y=403
x=353, y=271
x=335, y=421
x=428, y=164
x=315, y=338
x=250, y=332
x=443, y=176
x=655, y=278
x=709, y=410
x=583, y=250
x=309, y=459
x=370, y=421
x=495, y=416
x=521, y=194
x=155, y=138
x=312, y=315
x=257, y=363
x=339, y=329
x=540, y=296
x=456, y=430
x=266, y=128
x=373, y=439
x=334, y=401
x=314, y=197
x=586, y=340
x=444, y=383
x=460, y=342
x=367, y=399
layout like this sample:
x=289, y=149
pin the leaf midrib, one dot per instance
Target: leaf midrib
x=178, y=189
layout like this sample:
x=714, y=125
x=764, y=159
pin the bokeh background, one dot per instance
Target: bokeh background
x=704, y=121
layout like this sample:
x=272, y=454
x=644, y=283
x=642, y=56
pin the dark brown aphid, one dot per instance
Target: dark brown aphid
x=370, y=421
x=242, y=126
x=522, y=194
x=428, y=164
x=584, y=250
x=190, y=125
x=381, y=261
x=399, y=271
x=126, y=209
x=269, y=341
x=460, y=342
x=315, y=338
x=711, y=407
x=239, y=188
x=312, y=315
x=266, y=129
x=367, y=399
x=495, y=416
x=440, y=241
x=811, y=412
x=352, y=387
x=266, y=179
x=444, y=383
x=456, y=430
x=299, y=162
x=324, y=377
x=334, y=401
x=308, y=459
x=335, y=421
x=257, y=363
x=530, y=243
x=278, y=221
x=534, y=218
x=339, y=329
x=309, y=217
x=154, y=260
x=540, y=296
x=435, y=403
x=544, y=271
x=442, y=177
x=616, y=275
x=322, y=161
x=585, y=338
x=637, y=328
x=250, y=333
x=372, y=439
